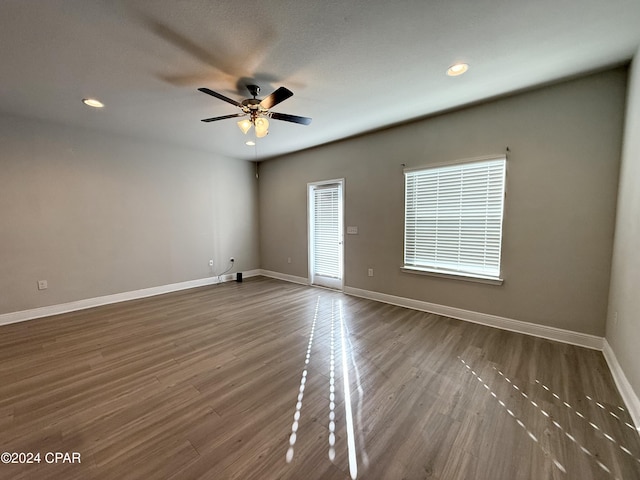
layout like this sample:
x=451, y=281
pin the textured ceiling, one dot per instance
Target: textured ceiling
x=353, y=66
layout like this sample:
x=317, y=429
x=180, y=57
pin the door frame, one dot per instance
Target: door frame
x=338, y=284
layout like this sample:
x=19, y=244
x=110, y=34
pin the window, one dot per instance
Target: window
x=453, y=218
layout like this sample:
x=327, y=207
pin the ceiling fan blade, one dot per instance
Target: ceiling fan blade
x=290, y=118
x=213, y=119
x=220, y=96
x=276, y=97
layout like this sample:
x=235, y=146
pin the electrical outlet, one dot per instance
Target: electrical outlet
x=288, y=259
x=615, y=317
x=211, y=263
x=42, y=285
x=370, y=272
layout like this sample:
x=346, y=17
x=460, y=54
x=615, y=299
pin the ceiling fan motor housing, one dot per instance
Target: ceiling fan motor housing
x=251, y=102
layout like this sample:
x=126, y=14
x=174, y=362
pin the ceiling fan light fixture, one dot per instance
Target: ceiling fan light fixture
x=250, y=143
x=92, y=102
x=244, y=125
x=457, y=69
x=262, y=127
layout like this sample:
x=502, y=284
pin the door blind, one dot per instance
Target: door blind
x=326, y=231
x=453, y=217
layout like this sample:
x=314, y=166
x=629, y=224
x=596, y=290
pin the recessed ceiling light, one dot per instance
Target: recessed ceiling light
x=92, y=102
x=250, y=143
x=457, y=69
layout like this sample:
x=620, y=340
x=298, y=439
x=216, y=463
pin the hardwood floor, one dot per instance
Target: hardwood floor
x=208, y=384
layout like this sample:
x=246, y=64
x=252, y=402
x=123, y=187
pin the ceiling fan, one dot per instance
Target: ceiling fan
x=257, y=110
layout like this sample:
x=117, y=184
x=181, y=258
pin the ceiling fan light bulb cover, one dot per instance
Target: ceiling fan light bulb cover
x=262, y=123
x=262, y=127
x=244, y=125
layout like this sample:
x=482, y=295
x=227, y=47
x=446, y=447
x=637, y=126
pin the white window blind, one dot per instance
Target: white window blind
x=326, y=231
x=453, y=218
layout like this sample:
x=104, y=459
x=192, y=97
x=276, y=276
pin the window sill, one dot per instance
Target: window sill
x=467, y=277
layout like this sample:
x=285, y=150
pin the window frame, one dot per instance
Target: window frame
x=439, y=271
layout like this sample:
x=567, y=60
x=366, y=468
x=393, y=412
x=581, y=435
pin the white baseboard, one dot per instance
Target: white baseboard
x=285, y=277
x=21, y=316
x=543, y=331
x=629, y=397
x=250, y=273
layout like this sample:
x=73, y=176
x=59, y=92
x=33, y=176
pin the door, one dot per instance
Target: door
x=326, y=233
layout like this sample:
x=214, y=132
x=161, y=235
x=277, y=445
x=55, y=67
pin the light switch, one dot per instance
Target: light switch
x=352, y=230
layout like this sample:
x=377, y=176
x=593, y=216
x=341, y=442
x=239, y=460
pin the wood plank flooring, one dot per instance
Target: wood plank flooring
x=249, y=381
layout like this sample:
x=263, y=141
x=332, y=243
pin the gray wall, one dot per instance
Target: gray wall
x=97, y=214
x=559, y=212
x=623, y=322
